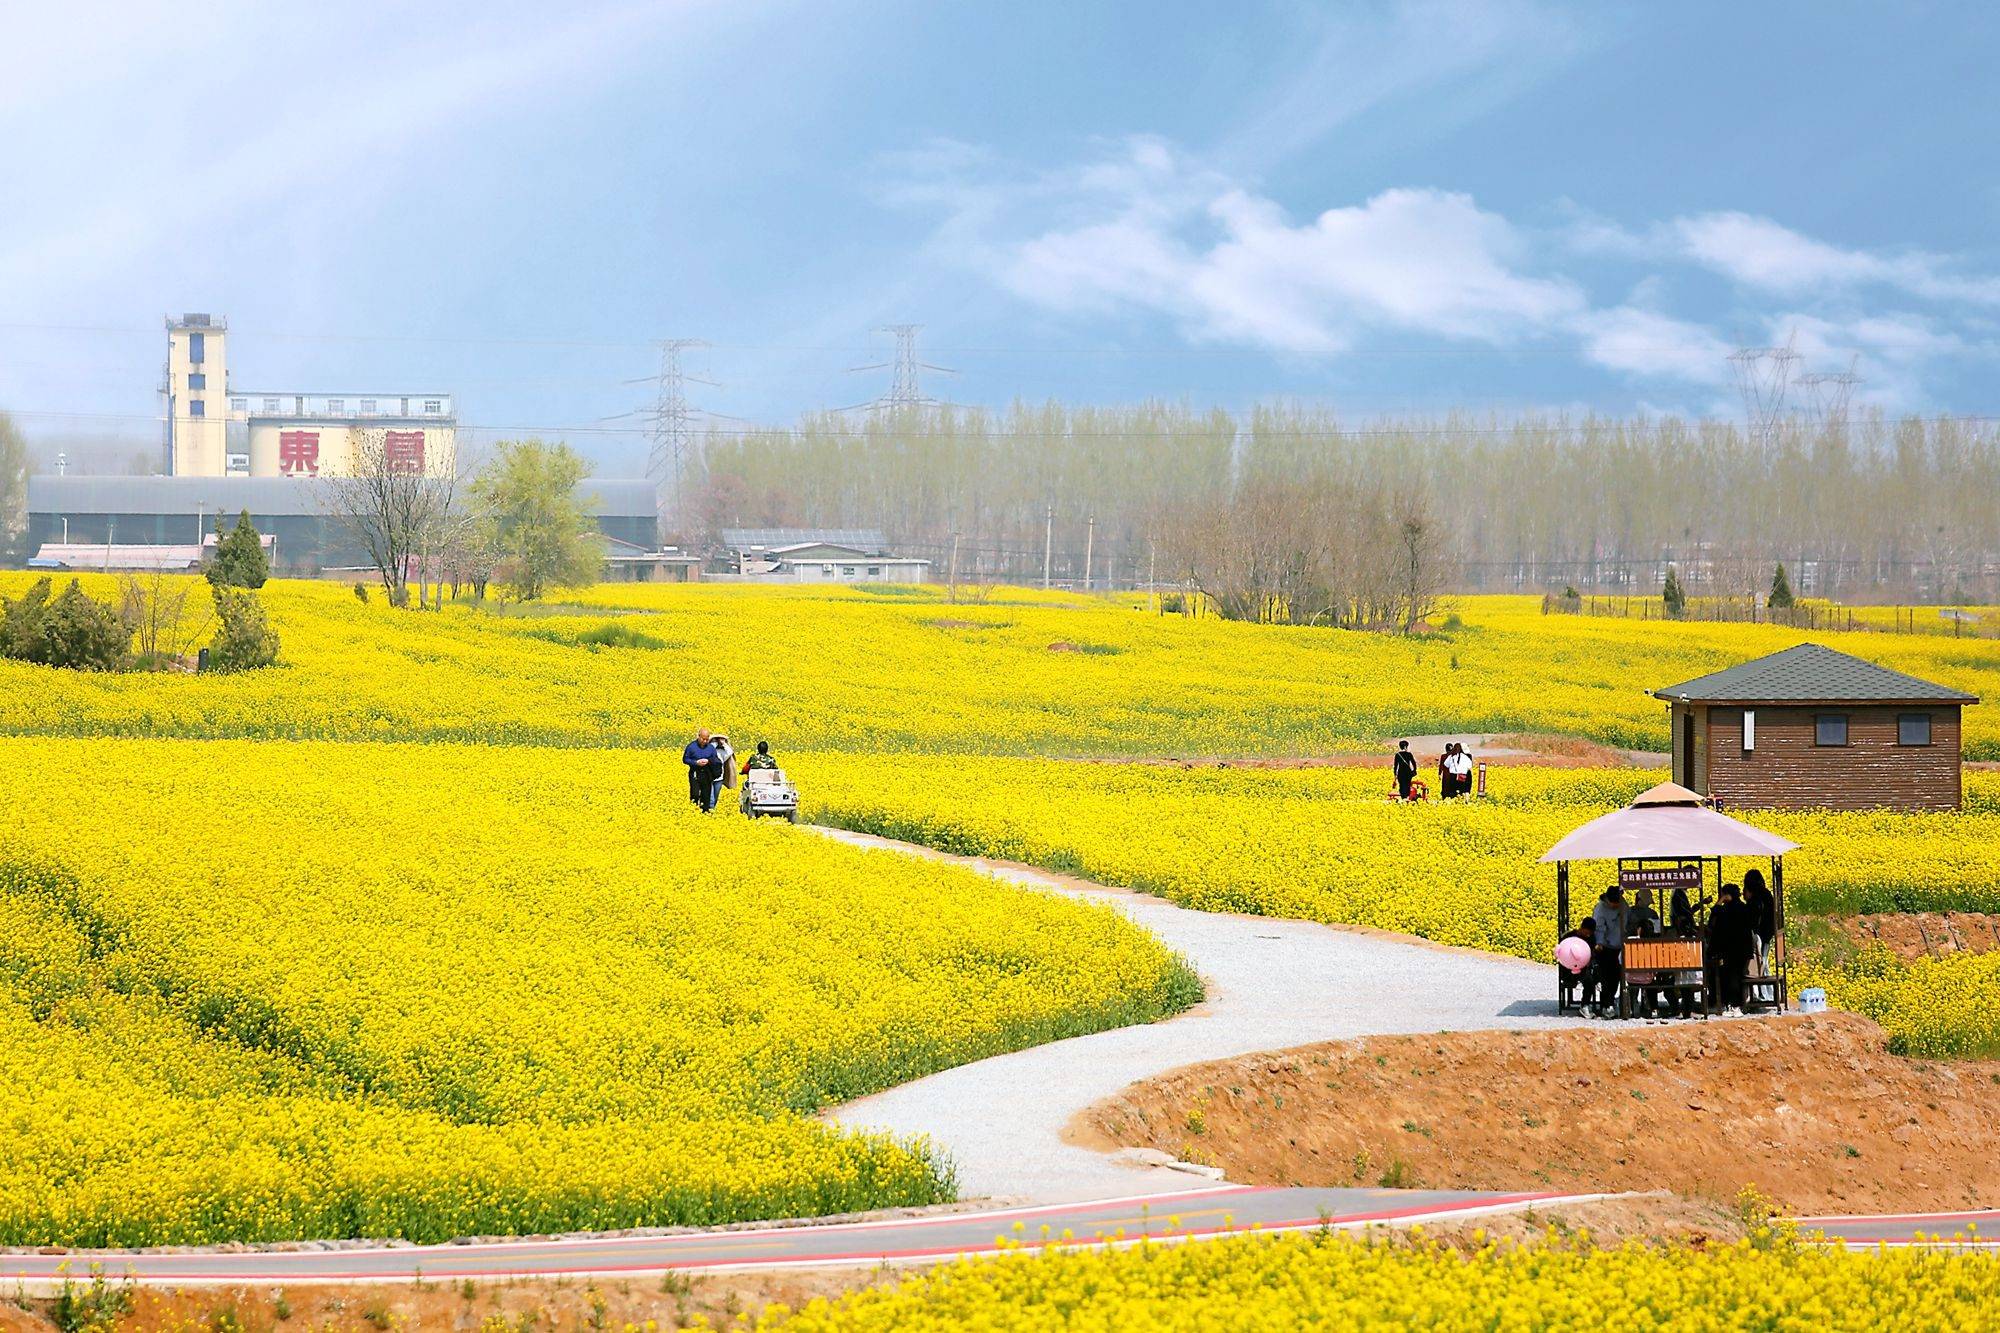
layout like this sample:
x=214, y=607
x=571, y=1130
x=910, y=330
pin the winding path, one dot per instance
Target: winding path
x=1271, y=983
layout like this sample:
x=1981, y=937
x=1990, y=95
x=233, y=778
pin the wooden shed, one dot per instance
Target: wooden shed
x=1811, y=728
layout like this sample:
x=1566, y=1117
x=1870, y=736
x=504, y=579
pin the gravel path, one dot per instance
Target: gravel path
x=1271, y=983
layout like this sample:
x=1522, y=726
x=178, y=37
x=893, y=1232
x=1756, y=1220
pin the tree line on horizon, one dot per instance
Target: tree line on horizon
x=1873, y=507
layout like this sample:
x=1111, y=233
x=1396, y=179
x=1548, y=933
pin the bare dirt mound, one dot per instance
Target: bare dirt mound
x=1913, y=935
x=1813, y=1111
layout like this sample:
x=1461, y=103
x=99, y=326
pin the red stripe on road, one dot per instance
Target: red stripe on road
x=858, y=1256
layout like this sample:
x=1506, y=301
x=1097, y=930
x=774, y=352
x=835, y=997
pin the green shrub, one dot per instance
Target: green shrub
x=72, y=629
x=244, y=641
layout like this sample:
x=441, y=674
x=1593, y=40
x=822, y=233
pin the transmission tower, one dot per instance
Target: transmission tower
x=674, y=426
x=1830, y=395
x=1764, y=378
x=905, y=383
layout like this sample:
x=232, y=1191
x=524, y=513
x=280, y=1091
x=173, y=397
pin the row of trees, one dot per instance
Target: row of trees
x=516, y=518
x=1909, y=507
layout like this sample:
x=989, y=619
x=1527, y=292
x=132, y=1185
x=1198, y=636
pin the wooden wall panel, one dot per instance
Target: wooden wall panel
x=1789, y=770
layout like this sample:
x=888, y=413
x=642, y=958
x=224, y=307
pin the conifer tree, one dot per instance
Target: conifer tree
x=1673, y=594
x=239, y=556
x=1781, y=591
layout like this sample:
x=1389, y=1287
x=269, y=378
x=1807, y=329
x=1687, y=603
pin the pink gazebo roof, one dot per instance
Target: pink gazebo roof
x=1665, y=822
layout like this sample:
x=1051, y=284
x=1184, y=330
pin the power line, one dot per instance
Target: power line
x=1333, y=432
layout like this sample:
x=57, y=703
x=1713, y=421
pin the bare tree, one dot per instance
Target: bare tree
x=394, y=509
x=1420, y=564
x=155, y=606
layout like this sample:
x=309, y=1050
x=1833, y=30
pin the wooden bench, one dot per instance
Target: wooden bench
x=1652, y=963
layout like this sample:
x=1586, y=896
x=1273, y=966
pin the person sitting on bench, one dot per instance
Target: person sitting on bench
x=1586, y=930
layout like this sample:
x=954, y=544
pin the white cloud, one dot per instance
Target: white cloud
x=1638, y=341
x=1763, y=255
x=1157, y=233
x=1143, y=230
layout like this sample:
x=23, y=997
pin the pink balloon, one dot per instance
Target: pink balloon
x=1573, y=954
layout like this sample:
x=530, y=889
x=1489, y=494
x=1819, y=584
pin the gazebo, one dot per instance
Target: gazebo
x=1671, y=838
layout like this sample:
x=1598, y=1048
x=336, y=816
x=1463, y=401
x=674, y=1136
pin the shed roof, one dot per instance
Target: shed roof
x=1663, y=823
x=767, y=539
x=1811, y=673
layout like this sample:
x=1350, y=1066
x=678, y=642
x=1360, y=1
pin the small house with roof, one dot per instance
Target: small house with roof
x=1812, y=728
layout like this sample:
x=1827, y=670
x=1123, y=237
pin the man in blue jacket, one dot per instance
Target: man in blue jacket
x=704, y=764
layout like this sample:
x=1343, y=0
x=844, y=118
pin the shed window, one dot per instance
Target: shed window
x=1913, y=729
x=1830, y=729
x=1749, y=730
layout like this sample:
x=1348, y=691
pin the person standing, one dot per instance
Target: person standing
x=1460, y=764
x=1763, y=918
x=1731, y=944
x=704, y=766
x=1608, y=962
x=1406, y=770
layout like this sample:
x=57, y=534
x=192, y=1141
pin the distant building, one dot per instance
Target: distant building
x=214, y=429
x=818, y=555
x=170, y=511
x=1812, y=728
x=83, y=557
x=629, y=562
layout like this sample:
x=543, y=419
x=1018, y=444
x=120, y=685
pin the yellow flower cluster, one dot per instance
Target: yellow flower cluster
x=291, y=990
x=836, y=669
x=1946, y=1008
x=1325, y=845
x=1326, y=1280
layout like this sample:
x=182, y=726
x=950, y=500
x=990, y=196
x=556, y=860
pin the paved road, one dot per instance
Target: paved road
x=1183, y=1213
x=1271, y=983
x=1980, y=1228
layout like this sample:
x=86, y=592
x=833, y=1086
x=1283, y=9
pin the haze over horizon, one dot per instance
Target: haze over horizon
x=1382, y=209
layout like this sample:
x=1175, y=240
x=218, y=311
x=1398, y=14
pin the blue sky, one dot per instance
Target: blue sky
x=1379, y=208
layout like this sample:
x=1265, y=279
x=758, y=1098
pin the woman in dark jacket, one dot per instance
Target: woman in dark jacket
x=1680, y=915
x=1763, y=916
x=1731, y=931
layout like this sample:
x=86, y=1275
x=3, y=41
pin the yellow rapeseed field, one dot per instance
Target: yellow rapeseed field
x=272, y=991
x=1325, y=1280
x=414, y=934
x=1324, y=845
x=1025, y=673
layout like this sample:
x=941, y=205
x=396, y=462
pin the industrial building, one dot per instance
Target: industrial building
x=818, y=555
x=215, y=429
x=293, y=510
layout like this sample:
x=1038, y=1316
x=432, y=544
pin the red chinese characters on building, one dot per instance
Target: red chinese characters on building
x=298, y=451
x=403, y=450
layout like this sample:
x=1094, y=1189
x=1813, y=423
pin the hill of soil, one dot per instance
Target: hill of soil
x=1813, y=1111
